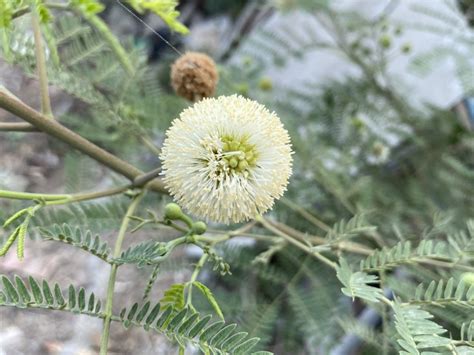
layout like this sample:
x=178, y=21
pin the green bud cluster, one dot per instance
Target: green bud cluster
x=173, y=211
x=239, y=153
x=199, y=228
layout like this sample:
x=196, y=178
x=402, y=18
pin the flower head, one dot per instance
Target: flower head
x=194, y=76
x=226, y=159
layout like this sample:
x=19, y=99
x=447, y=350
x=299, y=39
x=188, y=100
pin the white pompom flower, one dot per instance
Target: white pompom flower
x=226, y=159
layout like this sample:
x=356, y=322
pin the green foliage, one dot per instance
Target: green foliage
x=449, y=292
x=19, y=233
x=7, y=9
x=367, y=334
x=83, y=239
x=452, y=23
x=88, y=7
x=16, y=293
x=174, y=297
x=209, y=296
x=467, y=332
x=146, y=253
x=97, y=216
x=183, y=326
x=358, y=284
x=417, y=331
x=163, y=8
x=42, y=11
x=348, y=229
x=459, y=246
x=186, y=326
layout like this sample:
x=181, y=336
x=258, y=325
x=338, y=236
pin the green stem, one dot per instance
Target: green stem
x=150, y=145
x=5, y=43
x=187, y=220
x=88, y=196
x=194, y=277
x=41, y=64
x=52, y=46
x=15, y=195
x=20, y=12
x=16, y=127
x=384, y=317
x=296, y=242
x=14, y=105
x=59, y=199
x=307, y=215
x=113, y=273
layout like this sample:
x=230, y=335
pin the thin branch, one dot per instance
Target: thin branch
x=20, y=12
x=14, y=195
x=113, y=273
x=17, y=127
x=150, y=145
x=296, y=242
x=14, y=105
x=194, y=277
x=342, y=245
x=307, y=215
x=145, y=178
x=41, y=64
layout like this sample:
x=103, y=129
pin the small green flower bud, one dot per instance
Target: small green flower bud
x=242, y=89
x=265, y=84
x=406, y=48
x=199, y=227
x=468, y=278
x=173, y=211
x=357, y=123
x=398, y=31
x=385, y=41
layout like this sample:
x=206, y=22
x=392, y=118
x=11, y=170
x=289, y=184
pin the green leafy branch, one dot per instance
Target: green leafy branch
x=437, y=253
x=19, y=233
x=443, y=293
x=183, y=326
x=358, y=284
x=78, y=238
x=41, y=295
x=417, y=331
x=187, y=326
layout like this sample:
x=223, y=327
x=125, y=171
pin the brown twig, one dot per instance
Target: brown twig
x=15, y=106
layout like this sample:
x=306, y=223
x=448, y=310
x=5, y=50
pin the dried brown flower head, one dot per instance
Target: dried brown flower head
x=194, y=76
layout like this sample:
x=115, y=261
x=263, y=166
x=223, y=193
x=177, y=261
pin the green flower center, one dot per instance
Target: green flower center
x=239, y=154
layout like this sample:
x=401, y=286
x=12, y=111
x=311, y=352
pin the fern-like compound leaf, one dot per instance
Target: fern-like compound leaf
x=18, y=294
x=358, y=284
x=189, y=327
x=78, y=237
